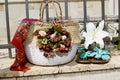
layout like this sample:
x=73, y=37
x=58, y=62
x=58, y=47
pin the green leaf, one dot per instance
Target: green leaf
x=97, y=24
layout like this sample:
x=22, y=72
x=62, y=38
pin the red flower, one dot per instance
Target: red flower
x=40, y=47
x=45, y=54
x=47, y=49
x=62, y=49
x=68, y=44
x=51, y=53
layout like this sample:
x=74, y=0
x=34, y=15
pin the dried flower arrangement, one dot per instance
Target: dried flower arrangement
x=53, y=40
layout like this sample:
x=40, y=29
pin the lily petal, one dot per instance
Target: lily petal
x=88, y=39
x=100, y=26
x=102, y=34
x=84, y=34
x=100, y=42
x=87, y=43
x=90, y=28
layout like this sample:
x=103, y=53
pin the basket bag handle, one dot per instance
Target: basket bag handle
x=42, y=10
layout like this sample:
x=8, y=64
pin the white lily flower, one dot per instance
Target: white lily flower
x=94, y=34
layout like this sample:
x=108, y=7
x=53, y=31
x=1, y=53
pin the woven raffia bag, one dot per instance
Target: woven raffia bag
x=35, y=55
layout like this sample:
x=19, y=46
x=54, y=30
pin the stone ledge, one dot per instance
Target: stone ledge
x=71, y=67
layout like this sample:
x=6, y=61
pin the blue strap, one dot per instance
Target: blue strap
x=97, y=53
x=104, y=54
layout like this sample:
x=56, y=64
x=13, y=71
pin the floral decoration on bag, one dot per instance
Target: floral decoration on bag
x=53, y=40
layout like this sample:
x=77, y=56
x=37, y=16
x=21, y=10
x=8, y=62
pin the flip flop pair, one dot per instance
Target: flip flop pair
x=96, y=56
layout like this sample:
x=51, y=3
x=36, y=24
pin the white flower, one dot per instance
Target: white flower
x=94, y=34
x=42, y=33
x=64, y=37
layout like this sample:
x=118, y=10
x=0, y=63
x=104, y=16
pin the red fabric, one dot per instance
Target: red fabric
x=18, y=39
